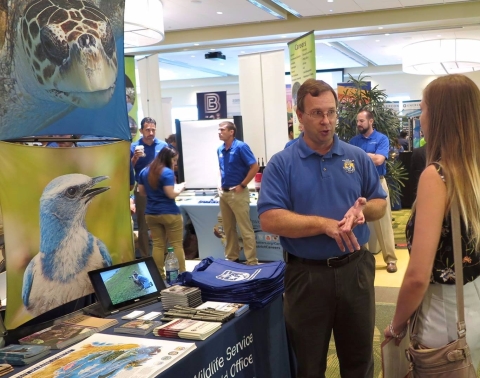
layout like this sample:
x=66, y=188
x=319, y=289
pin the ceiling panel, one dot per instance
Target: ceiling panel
x=188, y=14
x=326, y=58
x=337, y=7
x=186, y=60
x=388, y=49
x=369, y=5
x=416, y=3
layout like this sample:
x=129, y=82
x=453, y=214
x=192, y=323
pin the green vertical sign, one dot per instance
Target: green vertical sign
x=302, y=67
x=131, y=95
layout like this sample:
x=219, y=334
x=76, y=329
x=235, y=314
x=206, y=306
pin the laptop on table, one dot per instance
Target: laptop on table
x=125, y=286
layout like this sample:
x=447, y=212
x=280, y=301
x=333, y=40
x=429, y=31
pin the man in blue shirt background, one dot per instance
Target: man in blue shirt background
x=377, y=146
x=140, y=159
x=317, y=194
x=238, y=167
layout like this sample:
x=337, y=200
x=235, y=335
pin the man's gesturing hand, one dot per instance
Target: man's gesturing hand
x=343, y=238
x=353, y=216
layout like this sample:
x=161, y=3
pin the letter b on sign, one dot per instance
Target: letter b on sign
x=212, y=103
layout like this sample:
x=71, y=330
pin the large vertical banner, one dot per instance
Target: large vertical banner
x=212, y=105
x=302, y=67
x=131, y=95
x=65, y=212
x=61, y=68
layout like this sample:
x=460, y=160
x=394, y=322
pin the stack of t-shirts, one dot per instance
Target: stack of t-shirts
x=187, y=329
x=181, y=296
x=226, y=281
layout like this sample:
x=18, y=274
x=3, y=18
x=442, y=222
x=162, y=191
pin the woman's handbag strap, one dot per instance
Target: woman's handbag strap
x=457, y=259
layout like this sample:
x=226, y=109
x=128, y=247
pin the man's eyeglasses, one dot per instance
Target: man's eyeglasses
x=317, y=114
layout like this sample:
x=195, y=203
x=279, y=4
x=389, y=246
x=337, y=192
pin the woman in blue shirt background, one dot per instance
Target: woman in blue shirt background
x=157, y=182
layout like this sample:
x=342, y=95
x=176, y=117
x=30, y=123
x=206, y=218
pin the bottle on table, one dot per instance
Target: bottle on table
x=258, y=181
x=171, y=266
x=262, y=167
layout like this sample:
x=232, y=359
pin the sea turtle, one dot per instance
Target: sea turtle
x=57, y=55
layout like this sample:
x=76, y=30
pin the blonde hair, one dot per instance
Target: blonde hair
x=453, y=140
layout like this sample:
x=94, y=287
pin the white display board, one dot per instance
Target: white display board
x=199, y=149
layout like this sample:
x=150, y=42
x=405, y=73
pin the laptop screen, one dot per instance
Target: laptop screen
x=124, y=285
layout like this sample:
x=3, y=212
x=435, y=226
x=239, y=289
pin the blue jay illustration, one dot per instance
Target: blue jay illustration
x=58, y=274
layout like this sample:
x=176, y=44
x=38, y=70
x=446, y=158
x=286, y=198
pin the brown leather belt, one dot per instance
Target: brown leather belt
x=332, y=262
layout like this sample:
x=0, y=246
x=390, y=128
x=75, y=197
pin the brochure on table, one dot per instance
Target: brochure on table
x=103, y=355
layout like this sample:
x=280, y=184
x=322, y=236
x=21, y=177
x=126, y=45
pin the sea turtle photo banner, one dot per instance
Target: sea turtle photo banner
x=65, y=212
x=62, y=68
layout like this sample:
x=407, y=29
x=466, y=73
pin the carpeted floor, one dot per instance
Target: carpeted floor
x=384, y=313
x=400, y=218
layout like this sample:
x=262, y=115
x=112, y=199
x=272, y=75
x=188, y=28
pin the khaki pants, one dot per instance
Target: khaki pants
x=162, y=228
x=235, y=208
x=384, y=231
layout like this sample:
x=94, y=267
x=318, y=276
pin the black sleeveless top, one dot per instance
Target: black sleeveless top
x=443, y=267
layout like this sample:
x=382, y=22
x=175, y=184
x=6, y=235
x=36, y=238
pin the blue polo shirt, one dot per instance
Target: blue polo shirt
x=235, y=162
x=301, y=180
x=150, y=151
x=376, y=143
x=157, y=200
x=290, y=142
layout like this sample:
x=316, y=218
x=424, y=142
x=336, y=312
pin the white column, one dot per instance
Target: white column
x=251, y=102
x=151, y=95
x=263, y=102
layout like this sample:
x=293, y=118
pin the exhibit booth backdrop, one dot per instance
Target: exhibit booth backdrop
x=62, y=69
x=39, y=184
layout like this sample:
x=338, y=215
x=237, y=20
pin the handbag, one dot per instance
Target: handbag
x=452, y=360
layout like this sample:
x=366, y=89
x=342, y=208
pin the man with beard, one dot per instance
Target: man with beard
x=377, y=145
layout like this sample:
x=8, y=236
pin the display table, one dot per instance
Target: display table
x=252, y=345
x=204, y=212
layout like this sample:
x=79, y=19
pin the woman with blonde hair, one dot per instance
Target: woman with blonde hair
x=450, y=120
x=157, y=182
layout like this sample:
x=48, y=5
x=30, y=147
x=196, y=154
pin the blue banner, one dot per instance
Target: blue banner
x=63, y=74
x=212, y=105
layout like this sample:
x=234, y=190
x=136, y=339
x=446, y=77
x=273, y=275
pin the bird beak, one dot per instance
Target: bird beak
x=90, y=193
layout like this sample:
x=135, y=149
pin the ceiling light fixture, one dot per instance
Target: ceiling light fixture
x=143, y=23
x=287, y=8
x=330, y=1
x=219, y=12
x=265, y=7
x=441, y=57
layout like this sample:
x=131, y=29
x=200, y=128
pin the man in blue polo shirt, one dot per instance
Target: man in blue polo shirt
x=238, y=167
x=377, y=146
x=317, y=195
x=140, y=159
